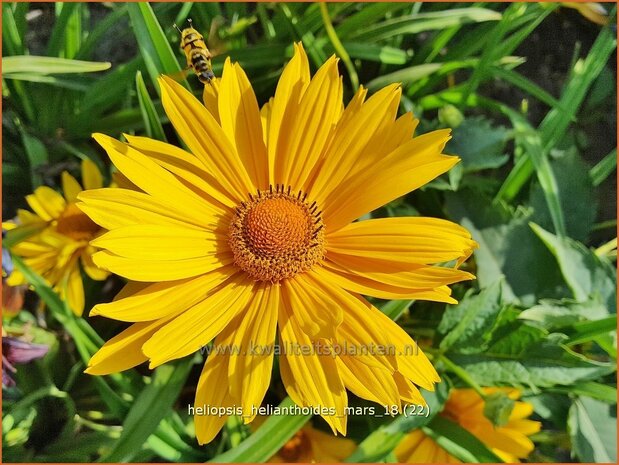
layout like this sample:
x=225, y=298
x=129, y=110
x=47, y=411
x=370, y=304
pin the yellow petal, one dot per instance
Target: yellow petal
x=156, y=242
x=91, y=176
x=46, y=202
x=159, y=270
x=75, y=291
x=250, y=367
x=114, y=208
x=291, y=86
x=371, y=287
x=315, y=117
x=407, y=240
x=405, y=169
x=197, y=326
x=412, y=363
x=123, y=351
x=240, y=121
x=211, y=97
x=315, y=374
x=205, y=138
x=155, y=180
x=265, y=117
x=351, y=137
x=395, y=273
x=328, y=449
x=90, y=268
x=185, y=166
x=314, y=310
x=371, y=383
x=70, y=187
x=212, y=393
x=145, y=302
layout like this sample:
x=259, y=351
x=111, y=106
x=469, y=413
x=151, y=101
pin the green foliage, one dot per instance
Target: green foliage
x=534, y=188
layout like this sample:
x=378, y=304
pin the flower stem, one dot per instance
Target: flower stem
x=337, y=45
x=462, y=374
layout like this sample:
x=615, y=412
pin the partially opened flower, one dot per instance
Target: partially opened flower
x=509, y=442
x=61, y=237
x=17, y=352
x=252, y=234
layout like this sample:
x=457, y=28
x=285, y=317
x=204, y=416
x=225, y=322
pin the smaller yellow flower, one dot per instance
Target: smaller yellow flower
x=310, y=445
x=465, y=407
x=61, y=238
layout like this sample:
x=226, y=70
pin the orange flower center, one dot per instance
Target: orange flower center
x=76, y=224
x=276, y=235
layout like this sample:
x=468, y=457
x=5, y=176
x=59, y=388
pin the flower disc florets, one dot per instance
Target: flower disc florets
x=277, y=234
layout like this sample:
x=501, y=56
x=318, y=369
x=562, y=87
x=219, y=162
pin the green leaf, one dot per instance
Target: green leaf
x=153, y=43
x=413, y=24
x=267, y=440
x=149, y=408
x=553, y=315
x=498, y=407
x=593, y=429
x=553, y=127
x=26, y=64
x=151, y=119
x=568, y=169
x=526, y=356
x=66, y=13
x=466, y=325
x=459, y=442
x=395, y=308
x=497, y=229
x=589, y=277
x=604, y=168
x=479, y=144
x=382, y=441
x=518, y=80
x=587, y=330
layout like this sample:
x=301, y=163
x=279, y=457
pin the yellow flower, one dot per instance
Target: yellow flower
x=252, y=233
x=62, y=238
x=310, y=445
x=509, y=442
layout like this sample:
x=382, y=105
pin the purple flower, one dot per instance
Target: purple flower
x=16, y=351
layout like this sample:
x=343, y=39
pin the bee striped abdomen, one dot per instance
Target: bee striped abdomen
x=197, y=54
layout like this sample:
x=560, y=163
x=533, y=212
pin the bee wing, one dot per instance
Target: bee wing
x=216, y=46
x=180, y=75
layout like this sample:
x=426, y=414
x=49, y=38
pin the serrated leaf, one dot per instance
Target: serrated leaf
x=466, y=325
x=529, y=362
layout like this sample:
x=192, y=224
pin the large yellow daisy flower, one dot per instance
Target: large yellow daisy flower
x=63, y=236
x=509, y=442
x=252, y=234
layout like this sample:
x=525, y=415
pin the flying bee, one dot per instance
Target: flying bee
x=197, y=53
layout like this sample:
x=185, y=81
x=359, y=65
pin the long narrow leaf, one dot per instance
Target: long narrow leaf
x=152, y=405
x=154, y=45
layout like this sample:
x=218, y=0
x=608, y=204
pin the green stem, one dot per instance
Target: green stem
x=337, y=45
x=463, y=375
